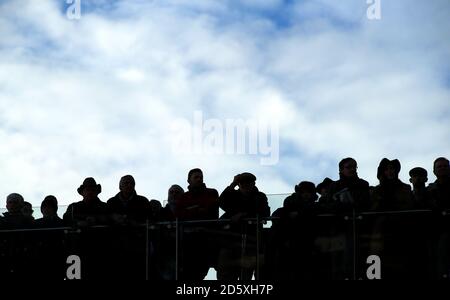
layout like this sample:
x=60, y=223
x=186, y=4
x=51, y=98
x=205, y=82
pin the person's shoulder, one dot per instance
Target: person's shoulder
x=363, y=182
x=289, y=199
x=113, y=200
x=432, y=186
x=212, y=191
x=39, y=222
x=261, y=195
x=142, y=199
x=278, y=212
x=101, y=203
x=75, y=204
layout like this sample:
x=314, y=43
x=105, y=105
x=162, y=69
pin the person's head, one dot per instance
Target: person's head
x=348, y=167
x=441, y=167
x=89, y=189
x=246, y=182
x=388, y=170
x=27, y=209
x=49, y=207
x=155, y=207
x=175, y=191
x=14, y=203
x=195, y=177
x=418, y=177
x=307, y=191
x=127, y=185
x=323, y=187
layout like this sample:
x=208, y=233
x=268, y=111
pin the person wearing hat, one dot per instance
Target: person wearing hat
x=394, y=233
x=418, y=179
x=245, y=202
x=391, y=193
x=292, y=234
x=323, y=188
x=89, y=211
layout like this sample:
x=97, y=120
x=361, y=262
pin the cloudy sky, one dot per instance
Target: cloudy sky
x=99, y=96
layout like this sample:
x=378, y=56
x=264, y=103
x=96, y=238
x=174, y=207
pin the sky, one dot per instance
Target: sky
x=104, y=95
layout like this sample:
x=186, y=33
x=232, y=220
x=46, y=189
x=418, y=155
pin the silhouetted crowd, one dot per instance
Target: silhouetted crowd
x=321, y=232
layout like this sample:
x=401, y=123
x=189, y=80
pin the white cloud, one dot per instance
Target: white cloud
x=96, y=97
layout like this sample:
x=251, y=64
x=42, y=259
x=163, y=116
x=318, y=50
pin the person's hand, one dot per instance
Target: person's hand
x=235, y=182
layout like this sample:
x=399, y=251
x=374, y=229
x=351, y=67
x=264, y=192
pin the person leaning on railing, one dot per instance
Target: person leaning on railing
x=238, y=261
x=198, y=252
x=290, y=252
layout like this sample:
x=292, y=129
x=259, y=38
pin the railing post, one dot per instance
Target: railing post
x=354, y=243
x=146, y=250
x=257, y=247
x=177, y=237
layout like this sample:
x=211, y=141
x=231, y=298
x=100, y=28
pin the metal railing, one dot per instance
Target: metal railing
x=332, y=246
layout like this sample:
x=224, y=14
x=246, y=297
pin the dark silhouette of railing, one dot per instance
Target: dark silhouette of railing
x=351, y=237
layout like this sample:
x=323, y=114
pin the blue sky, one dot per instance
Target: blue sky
x=97, y=96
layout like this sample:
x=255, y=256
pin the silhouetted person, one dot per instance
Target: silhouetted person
x=425, y=235
x=174, y=193
x=166, y=258
x=91, y=210
x=349, y=191
x=16, y=245
x=198, y=203
x=291, y=249
x=155, y=210
x=14, y=217
x=323, y=188
x=348, y=194
x=235, y=260
x=391, y=193
x=93, y=242
x=418, y=178
x=127, y=207
x=50, y=263
x=27, y=210
x=439, y=192
x=440, y=189
x=49, y=210
x=397, y=230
